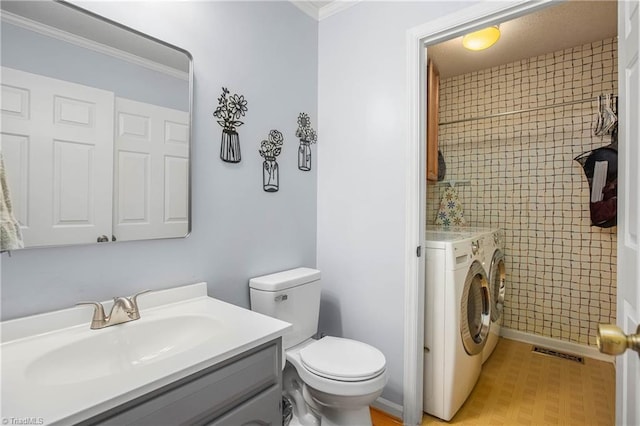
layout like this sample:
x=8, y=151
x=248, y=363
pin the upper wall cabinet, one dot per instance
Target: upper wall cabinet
x=433, y=88
x=95, y=129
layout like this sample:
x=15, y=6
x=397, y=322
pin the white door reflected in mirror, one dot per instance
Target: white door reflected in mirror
x=95, y=127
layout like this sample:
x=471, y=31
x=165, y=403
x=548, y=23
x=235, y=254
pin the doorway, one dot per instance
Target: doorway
x=556, y=326
x=511, y=131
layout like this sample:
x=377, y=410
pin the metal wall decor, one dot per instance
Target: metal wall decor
x=269, y=150
x=307, y=136
x=229, y=110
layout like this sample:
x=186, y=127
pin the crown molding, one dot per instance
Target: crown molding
x=90, y=44
x=320, y=13
x=307, y=8
x=335, y=7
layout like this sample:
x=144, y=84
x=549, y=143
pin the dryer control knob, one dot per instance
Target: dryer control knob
x=475, y=246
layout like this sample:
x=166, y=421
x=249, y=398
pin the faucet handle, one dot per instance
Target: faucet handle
x=134, y=298
x=99, y=318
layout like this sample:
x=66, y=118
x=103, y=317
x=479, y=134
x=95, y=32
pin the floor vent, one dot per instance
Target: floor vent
x=551, y=352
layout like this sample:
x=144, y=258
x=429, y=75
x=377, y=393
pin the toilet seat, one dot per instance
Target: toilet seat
x=353, y=387
x=342, y=359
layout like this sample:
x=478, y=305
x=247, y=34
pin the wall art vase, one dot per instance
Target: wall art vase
x=228, y=112
x=269, y=150
x=304, y=156
x=307, y=136
x=270, y=174
x=230, y=146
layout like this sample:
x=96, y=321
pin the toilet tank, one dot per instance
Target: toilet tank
x=292, y=296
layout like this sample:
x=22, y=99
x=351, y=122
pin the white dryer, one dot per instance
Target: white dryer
x=457, y=320
x=496, y=272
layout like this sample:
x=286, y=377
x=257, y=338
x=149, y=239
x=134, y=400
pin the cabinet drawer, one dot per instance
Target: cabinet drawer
x=203, y=396
x=262, y=410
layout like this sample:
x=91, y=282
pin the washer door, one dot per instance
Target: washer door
x=497, y=283
x=475, y=310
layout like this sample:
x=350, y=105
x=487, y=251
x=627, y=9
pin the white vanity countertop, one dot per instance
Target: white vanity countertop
x=180, y=332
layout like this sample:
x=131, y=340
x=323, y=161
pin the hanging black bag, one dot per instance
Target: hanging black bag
x=605, y=211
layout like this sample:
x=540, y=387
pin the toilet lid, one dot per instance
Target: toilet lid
x=343, y=359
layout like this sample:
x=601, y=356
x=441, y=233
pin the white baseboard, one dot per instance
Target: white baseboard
x=388, y=407
x=555, y=344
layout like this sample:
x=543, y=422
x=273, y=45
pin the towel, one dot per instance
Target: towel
x=450, y=212
x=10, y=234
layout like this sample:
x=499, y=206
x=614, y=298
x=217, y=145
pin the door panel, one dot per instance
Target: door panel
x=176, y=199
x=73, y=184
x=59, y=157
x=628, y=365
x=152, y=172
x=133, y=188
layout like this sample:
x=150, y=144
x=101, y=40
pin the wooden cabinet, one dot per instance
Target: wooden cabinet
x=433, y=85
x=245, y=390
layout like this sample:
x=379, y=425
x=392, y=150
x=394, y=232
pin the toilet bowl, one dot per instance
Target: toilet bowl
x=336, y=378
x=330, y=381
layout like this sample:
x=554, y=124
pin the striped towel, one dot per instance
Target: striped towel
x=10, y=234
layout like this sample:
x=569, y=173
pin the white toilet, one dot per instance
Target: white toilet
x=330, y=381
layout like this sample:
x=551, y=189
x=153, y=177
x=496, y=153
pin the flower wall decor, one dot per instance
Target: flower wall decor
x=228, y=113
x=307, y=136
x=269, y=150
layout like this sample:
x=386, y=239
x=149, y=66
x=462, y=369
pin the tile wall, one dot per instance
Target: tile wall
x=561, y=271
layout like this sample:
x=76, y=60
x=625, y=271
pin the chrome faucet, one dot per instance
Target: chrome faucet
x=124, y=309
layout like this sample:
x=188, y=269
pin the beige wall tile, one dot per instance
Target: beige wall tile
x=561, y=271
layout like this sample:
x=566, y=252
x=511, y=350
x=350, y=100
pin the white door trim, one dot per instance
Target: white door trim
x=628, y=291
x=478, y=16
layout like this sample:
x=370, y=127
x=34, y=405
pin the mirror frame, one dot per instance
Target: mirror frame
x=190, y=74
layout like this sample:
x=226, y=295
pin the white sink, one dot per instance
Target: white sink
x=61, y=371
x=121, y=348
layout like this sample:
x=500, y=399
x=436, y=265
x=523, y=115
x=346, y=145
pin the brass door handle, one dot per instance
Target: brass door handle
x=612, y=340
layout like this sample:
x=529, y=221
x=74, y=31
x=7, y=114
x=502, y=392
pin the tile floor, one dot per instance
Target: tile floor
x=520, y=387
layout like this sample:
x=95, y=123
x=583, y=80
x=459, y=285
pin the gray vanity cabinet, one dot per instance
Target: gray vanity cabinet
x=257, y=411
x=244, y=390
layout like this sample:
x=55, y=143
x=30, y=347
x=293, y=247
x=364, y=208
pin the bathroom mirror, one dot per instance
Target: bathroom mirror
x=95, y=127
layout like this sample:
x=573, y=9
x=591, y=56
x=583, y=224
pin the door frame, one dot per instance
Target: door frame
x=628, y=276
x=449, y=26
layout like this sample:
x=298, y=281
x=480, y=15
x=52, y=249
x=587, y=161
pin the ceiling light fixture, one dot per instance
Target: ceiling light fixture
x=481, y=39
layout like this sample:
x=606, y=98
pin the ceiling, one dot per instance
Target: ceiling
x=566, y=25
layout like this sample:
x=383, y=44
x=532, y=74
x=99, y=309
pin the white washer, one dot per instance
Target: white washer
x=457, y=319
x=496, y=272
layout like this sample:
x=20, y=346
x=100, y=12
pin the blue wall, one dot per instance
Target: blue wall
x=29, y=51
x=266, y=51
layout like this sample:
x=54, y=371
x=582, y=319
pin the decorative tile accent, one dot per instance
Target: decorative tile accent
x=561, y=271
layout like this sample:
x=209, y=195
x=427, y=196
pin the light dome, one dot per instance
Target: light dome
x=481, y=39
